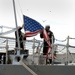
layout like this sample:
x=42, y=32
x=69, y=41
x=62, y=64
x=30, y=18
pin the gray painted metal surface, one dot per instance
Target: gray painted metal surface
x=13, y=70
x=54, y=70
x=39, y=69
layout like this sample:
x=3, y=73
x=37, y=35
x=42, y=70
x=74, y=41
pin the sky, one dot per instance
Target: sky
x=59, y=14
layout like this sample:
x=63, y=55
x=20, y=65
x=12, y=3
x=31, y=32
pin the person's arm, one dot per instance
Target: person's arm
x=52, y=35
x=41, y=34
x=53, y=38
x=20, y=27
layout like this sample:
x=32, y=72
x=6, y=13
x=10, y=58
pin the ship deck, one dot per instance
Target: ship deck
x=38, y=69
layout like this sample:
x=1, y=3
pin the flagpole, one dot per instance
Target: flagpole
x=23, y=22
x=18, y=50
x=24, y=33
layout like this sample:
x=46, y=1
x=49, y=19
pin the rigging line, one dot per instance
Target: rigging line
x=19, y=17
x=60, y=59
x=3, y=42
x=20, y=9
x=61, y=40
x=8, y=32
x=71, y=38
x=62, y=49
x=72, y=56
x=18, y=13
x=6, y=27
x=61, y=52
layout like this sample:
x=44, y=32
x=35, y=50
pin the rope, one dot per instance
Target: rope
x=3, y=42
x=20, y=7
x=61, y=40
x=71, y=55
x=20, y=10
x=62, y=49
x=71, y=38
x=6, y=27
x=26, y=67
x=8, y=32
x=60, y=59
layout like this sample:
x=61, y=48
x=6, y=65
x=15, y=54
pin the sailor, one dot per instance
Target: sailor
x=21, y=37
x=50, y=34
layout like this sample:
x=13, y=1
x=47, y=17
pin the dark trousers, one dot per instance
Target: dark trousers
x=21, y=45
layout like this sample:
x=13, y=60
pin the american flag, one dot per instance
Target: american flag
x=32, y=28
x=45, y=35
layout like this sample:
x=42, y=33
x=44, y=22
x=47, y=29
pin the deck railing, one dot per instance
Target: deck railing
x=34, y=46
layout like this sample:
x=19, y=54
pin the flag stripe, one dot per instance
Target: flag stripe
x=30, y=34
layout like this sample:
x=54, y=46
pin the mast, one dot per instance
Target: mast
x=18, y=50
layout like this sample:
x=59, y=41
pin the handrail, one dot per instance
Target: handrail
x=12, y=44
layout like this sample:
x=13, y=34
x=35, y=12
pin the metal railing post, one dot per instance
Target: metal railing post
x=6, y=51
x=67, y=50
x=33, y=50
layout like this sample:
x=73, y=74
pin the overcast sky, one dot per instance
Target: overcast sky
x=59, y=14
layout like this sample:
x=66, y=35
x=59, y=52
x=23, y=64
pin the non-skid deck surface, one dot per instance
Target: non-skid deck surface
x=40, y=70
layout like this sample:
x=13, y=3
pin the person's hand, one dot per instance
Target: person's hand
x=48, y=33
x=41, y=32
x=22, y=25
x=19, y=27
